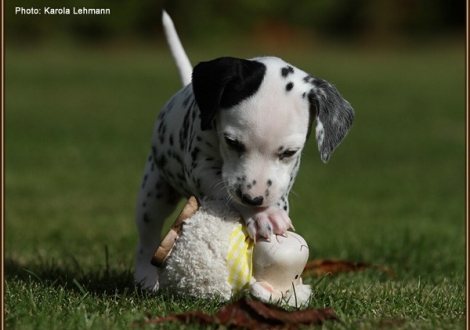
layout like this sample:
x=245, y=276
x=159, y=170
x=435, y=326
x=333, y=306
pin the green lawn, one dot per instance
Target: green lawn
x=78, y=126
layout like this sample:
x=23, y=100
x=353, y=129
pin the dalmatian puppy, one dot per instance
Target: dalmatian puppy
x=234, y=132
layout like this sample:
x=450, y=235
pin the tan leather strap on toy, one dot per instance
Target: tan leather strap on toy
x=169, y=241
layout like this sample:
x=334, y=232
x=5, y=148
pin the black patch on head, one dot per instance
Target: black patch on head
x=286, y=70
x=223, y=83
x=269, y=183
x=289, y=86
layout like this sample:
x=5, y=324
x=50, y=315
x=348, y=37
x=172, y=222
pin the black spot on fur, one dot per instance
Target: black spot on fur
x=161, y=162
x=171, y=102
x=195, y=153
x=269, y=183
x=144, y=181
x=146, y=218
x=286, y=70
x=186, y=101
x=289, y=86
x=183, y=134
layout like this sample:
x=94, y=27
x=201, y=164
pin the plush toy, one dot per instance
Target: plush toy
x=208, y=254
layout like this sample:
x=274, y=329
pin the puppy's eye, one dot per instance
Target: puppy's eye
x=288, y=153
x=235, y=144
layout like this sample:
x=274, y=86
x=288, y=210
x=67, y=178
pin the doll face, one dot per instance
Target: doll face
x=280, y=262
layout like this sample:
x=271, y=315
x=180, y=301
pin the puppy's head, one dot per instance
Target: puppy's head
x=263, y=110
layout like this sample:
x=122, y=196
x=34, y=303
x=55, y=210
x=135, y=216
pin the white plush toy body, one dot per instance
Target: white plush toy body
x=210, y=255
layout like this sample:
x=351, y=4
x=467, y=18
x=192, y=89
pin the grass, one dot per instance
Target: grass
x=78, y=125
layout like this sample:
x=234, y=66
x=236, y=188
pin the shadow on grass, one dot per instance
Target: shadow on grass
x=71, y=276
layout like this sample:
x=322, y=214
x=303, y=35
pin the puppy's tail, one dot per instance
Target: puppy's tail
x=182, y=61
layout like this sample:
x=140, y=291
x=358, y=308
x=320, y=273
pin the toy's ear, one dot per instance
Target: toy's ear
x=223, y=83
x=166, y=246
x=333, y=114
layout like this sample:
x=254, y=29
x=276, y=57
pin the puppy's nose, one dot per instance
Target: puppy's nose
x=247, y=199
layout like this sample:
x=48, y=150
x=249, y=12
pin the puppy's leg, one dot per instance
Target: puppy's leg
x=155, y=202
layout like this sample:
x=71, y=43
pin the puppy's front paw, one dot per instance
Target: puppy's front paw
x=267, y=221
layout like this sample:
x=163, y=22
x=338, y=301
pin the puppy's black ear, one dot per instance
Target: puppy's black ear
x=223, y=83
x=333, y=114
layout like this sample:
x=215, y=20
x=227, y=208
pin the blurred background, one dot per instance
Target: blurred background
x=82, y=94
